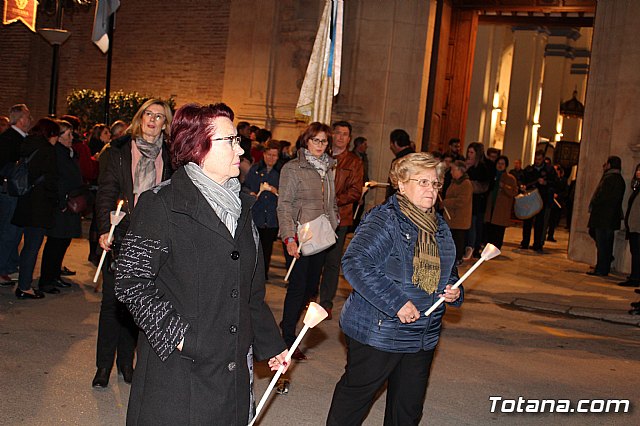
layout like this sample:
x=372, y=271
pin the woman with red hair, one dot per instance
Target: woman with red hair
x=191, y=272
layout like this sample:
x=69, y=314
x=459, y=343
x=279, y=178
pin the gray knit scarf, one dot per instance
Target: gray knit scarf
x=223, y=199
x=145, y=174
x=321, y=164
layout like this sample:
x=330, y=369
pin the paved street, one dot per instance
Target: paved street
x=532, y=325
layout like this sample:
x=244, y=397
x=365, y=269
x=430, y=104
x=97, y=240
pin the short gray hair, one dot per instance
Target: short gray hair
x=405, y=167
x=16, y=112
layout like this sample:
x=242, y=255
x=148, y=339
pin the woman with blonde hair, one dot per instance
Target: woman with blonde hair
x=400, y=261
x=135, y=163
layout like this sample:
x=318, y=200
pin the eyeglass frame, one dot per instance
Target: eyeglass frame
x=318, y=142
x=234, y=140
x=155, y=116
x=436, y=184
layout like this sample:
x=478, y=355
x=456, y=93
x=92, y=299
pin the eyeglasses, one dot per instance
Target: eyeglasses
x=234, y=141
x=319, y=142
x=155, y=116
x=426, y=183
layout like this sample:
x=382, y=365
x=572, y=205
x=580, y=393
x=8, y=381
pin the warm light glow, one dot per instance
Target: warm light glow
x=496, y=100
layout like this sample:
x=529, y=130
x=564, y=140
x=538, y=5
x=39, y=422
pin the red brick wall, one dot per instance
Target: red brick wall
x=160, y=49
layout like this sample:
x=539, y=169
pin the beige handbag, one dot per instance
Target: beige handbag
x=322, y=235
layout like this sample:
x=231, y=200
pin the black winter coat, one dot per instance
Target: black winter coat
x=116, y=183
x=67, y=223
x=10, y=141
x=38, y=207
x=182, y=275
x=549, y=177
x=606, y=204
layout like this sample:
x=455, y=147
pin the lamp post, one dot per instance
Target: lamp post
x=55, y=37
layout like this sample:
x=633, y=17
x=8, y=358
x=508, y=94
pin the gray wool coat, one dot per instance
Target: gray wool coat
x=304, y=195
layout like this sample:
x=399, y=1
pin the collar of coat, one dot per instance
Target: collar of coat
x=392, y=202
x=302, y=161
x=188, y=200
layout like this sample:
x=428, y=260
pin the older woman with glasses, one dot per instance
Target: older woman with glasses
x=400, y=261
x=307, y=190
x=136, y=162
x=191, y=272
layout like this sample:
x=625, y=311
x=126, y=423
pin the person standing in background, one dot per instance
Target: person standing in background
x=262, y=182
x=136, y=162
x=360, y=146
x=605, y=215
x=400, y=144
x=35, y=212
x=632, y=228
x=348, y=189
x=10, y=235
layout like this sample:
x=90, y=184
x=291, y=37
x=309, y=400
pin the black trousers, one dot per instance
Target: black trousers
x=366, y=372
x=554, y=221
x=634, y=247
x=116, y=329
x=52, y=257
x=267, y=238
x=495, y=234
x=604, y=244
x=538, y=222
x=459, y=239
x=303, y=285
x=331, y=270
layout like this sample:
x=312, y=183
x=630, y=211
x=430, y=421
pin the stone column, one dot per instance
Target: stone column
x=557, y=66
x=490, y=61
x=611, y=125
x=526, y=79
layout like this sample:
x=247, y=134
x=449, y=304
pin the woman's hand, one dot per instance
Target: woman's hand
x=408, y=313
x=278, y=360
x=450, y=295
x=104, y=242
x=292, y=249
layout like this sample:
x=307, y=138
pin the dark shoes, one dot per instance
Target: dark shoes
x=49, y=289
x=635, y=305
x=329, y=316
x=551, y=239
x=298, y=355
x=6, y=281
x=62, y=283
x=101, y=379
x=37, y=294
x=629, y=283
x=127, y=373
x=596, y=274
x=282, y=387
x=635, y=311
x=67, y=272
x=637, y=290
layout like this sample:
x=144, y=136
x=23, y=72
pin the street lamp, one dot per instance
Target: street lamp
x=55, y=37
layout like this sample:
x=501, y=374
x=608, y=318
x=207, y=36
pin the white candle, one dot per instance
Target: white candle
x=111, y=230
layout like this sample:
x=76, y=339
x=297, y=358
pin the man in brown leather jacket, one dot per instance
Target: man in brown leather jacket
x=349, y=179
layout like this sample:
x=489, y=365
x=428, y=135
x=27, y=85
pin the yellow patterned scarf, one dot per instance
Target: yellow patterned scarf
x=426, y=258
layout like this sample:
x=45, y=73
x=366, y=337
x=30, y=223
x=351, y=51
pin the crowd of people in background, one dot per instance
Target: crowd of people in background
x=284, y=185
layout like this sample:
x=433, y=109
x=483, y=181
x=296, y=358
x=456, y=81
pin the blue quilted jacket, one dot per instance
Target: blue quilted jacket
x=379, y=265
